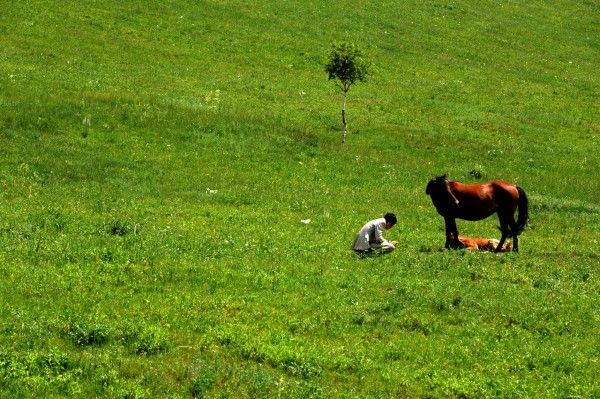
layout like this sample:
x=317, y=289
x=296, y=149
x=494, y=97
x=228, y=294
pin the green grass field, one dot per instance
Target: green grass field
x=157, y=159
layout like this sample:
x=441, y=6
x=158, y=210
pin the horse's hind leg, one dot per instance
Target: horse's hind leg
x=501, y=243
x=505, y=232
x=515, y=234
x=505, y=223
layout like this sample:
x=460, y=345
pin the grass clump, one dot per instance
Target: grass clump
x=88, y=335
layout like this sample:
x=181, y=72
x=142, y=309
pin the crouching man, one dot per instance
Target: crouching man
x=370, y=237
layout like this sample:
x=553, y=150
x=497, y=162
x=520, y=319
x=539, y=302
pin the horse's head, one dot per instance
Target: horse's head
x=441, y=195
x=437, y=185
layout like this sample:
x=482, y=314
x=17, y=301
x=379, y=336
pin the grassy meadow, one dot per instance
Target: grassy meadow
x=157, y=158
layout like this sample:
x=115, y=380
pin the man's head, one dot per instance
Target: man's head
x=390, y=220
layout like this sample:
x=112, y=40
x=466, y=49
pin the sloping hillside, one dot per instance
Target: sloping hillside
x=157, y=159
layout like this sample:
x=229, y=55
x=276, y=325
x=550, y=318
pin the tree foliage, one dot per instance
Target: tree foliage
x=347, y=65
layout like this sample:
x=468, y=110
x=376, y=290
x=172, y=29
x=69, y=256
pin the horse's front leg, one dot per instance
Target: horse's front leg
x=451, y=233
x=448, y=232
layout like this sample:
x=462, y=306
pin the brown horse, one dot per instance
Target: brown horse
x=453, y=200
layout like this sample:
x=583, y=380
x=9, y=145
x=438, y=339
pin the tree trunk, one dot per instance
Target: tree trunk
x=344, y=121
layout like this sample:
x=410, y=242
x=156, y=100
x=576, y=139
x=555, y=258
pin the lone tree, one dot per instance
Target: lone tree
x=346, y=66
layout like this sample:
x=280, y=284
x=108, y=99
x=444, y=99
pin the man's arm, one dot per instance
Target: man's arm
x=379, y=233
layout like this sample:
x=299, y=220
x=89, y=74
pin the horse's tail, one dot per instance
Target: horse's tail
x=523, y=211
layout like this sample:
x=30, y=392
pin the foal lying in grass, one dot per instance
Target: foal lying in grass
x=483, y=244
